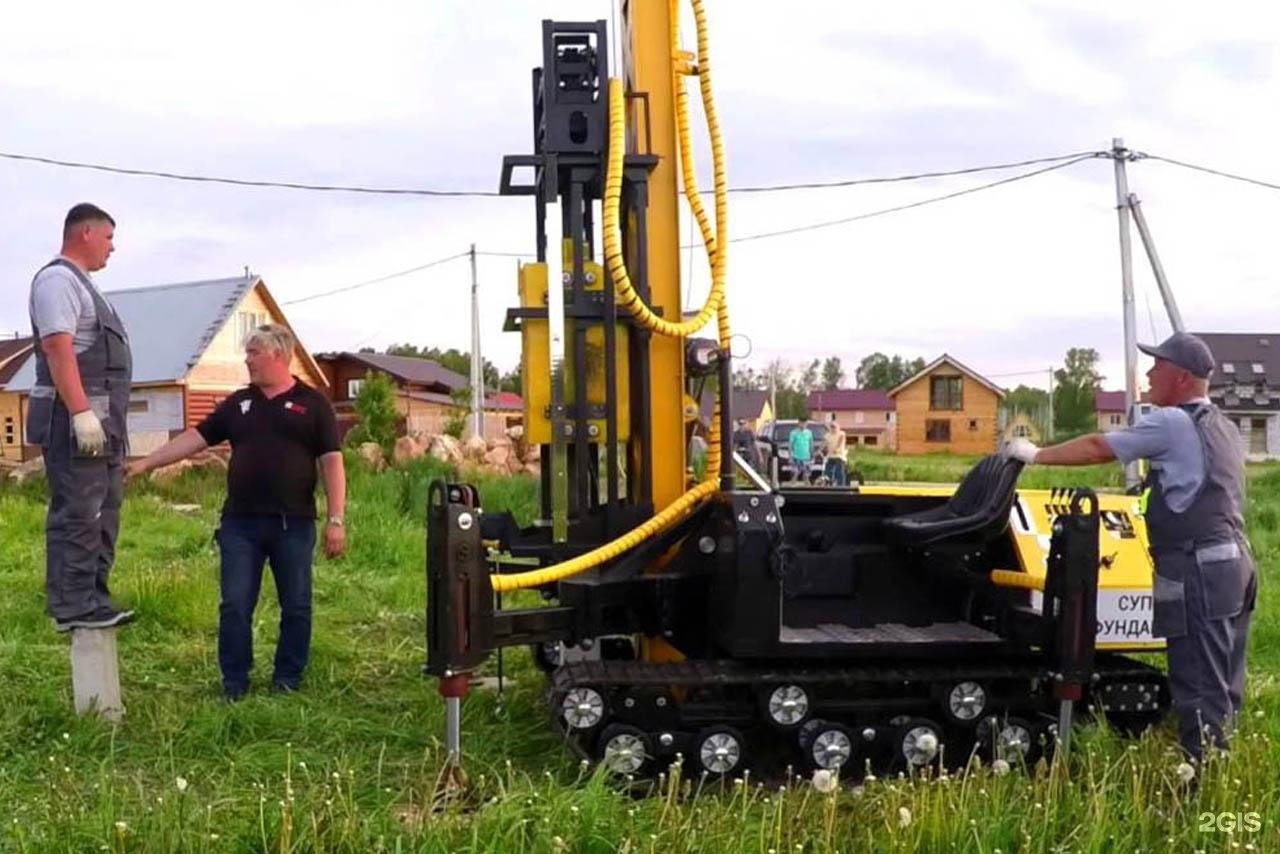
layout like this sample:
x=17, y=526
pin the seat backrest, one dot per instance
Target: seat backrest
x=984, y=485
x=978, y=509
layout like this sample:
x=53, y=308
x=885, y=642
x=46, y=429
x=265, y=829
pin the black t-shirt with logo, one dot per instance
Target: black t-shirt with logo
x=275, y=443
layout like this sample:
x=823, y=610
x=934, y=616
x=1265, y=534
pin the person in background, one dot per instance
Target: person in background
x=744, y=442
x=836, y=442
x=801, y=445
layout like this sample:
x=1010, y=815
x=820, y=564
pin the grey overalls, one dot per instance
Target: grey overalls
x=1205, y=586
x=84, y=491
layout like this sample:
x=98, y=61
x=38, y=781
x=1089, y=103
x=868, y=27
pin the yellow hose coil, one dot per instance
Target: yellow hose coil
x=629, y=300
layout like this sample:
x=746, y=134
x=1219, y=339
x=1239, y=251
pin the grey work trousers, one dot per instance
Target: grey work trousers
x=85, y=494
x=1207, y=660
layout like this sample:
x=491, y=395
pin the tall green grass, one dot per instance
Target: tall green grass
x=351, y=762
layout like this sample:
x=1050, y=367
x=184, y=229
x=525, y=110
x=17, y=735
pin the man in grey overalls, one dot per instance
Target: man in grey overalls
x=76, y=413
x=1205, y=583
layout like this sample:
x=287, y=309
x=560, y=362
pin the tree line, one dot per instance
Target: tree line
x=1075, y=384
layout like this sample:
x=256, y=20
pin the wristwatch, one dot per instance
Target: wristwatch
x=337, y=521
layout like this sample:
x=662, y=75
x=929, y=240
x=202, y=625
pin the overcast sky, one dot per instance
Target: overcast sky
x=425, y=93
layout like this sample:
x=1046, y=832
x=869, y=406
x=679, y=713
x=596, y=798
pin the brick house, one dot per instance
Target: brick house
x=947, y=407
x=867, y=415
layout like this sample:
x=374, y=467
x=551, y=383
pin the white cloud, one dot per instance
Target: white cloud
x=433, y=94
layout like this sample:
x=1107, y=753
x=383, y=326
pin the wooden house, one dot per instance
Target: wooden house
x=13, y=352
x=424, y=396
x=947, y=407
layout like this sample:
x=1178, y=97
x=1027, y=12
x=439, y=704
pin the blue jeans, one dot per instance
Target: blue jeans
x=835, y=471
x=246, y=542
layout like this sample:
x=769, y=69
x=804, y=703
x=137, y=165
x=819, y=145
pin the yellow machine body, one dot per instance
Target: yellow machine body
x=1124, y=577
x=536, y=343
x=646, y=46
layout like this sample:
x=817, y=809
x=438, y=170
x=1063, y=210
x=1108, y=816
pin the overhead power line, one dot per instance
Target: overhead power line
x=1221, y=174
x=761, y=236
x=246, y=182
x=378, y=280
x=917, y=204
x=917, y=176
x=411, y=191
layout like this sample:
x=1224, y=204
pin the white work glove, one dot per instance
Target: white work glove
x=89, y=435
x=1022, y=449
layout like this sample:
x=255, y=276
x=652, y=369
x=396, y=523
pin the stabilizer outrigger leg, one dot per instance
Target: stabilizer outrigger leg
x=459, y=607
x=1071, y=595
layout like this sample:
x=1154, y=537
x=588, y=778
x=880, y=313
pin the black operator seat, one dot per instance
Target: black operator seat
x=979, y=509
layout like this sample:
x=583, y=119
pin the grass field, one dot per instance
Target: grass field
x=350, y=763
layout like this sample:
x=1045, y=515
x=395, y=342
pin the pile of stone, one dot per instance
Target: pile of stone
x=504, y=455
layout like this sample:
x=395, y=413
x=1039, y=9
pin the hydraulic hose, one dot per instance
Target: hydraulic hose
x=715, y=244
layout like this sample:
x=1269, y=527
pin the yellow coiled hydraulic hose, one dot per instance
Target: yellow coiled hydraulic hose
x=630, y=301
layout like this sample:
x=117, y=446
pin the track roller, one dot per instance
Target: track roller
x=1012, y=739
x=582, y=708
x=719, y=751
x=917, y=744
x=827, y=745
x=786, y=706
x=624, y=749
x=965, y=702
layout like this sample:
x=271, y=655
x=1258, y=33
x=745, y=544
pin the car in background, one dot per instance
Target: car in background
x=774, y=442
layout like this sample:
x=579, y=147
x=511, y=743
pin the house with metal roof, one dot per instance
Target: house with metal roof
x=1246, y=387
x=1109, y=408
x=13, y=352
x=188, y=353
x=425, y=392
x=749, y=404
x=867, y=415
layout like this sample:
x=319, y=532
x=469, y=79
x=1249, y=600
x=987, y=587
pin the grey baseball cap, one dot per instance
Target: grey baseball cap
x=1186, y=351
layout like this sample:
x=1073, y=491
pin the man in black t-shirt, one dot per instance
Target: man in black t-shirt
x=278, y=427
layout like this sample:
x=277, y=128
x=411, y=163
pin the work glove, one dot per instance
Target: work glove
x=1021, y=449
x=89, y=436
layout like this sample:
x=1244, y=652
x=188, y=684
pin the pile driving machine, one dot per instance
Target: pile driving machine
x=737, y=625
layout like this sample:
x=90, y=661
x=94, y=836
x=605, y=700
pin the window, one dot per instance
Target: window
x=139, y=405
x=1257, y=368
x=937, y=430
x=1228, y=368
x=8, y=430
x=353, y=388
x=869, y=440
x=945, y=393
x=858, y=417
x=888, y=417
x=973, y=424
x=1115, y=420
x=249, y=321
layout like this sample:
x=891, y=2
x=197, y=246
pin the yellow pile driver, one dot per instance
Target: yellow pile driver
x=725, y=621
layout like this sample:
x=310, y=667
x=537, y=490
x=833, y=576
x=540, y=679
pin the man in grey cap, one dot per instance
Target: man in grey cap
x=1206, y=583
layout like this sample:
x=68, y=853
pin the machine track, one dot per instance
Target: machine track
x=722, y=717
